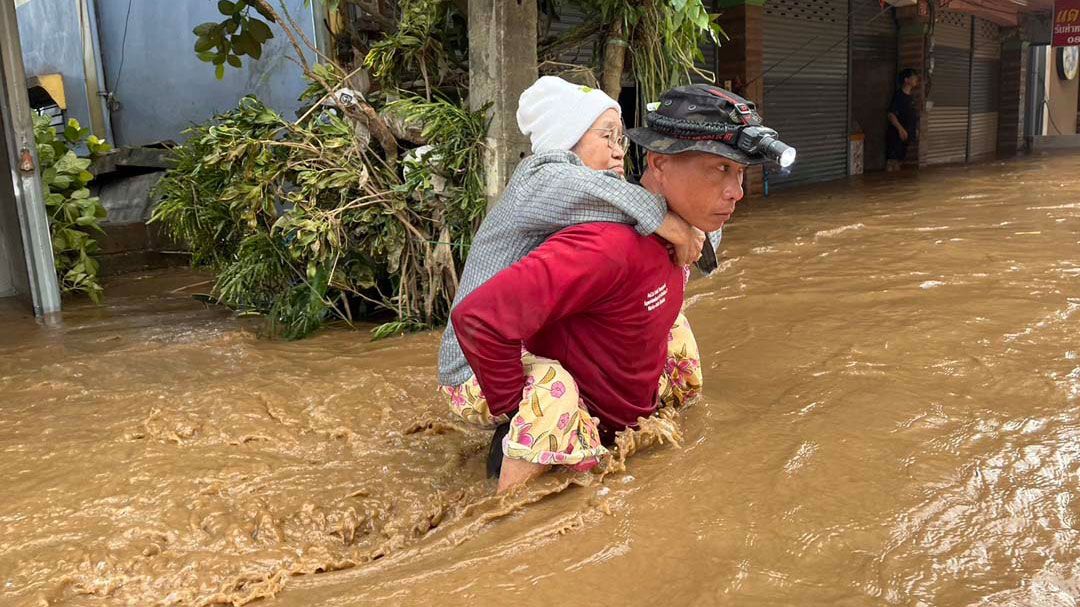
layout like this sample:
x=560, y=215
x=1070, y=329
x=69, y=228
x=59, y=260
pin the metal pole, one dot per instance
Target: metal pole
x=29, y=199
x=96, y=87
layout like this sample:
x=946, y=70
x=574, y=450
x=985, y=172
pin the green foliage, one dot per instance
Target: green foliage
x=74, y=215
x=305, y=223
x=663, y=37
x=666, y=43
x=456, y=134
x=240, y=33
x=430, y=41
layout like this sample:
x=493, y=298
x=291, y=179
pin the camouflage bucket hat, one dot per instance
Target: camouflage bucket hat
x=687, y=119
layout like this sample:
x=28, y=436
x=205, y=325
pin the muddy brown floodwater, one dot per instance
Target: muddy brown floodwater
x=891, y=417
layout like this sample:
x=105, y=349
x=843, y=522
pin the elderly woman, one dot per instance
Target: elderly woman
x=574, y=176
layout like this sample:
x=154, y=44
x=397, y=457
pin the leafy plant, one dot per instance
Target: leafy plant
x=666, y=43
x=240, y=33
x=456, y=133
x=74, y=215
x=663, y=37
x=430, y=41
x=307, y=223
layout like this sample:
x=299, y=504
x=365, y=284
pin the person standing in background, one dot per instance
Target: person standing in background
x=903, y=120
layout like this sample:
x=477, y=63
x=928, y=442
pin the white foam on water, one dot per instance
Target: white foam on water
x=839, y=230
x=930, y=284
x=1072, y=382
x=1071, y=205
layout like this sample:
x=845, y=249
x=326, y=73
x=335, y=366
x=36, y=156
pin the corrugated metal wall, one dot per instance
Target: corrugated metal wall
x=163, y=87
x=873, y=76
x=1025, y=60
x=52, y=43
x=12, y=261
x=569, y=17
x=806, y=85
x=985, y=93
x=946, y=139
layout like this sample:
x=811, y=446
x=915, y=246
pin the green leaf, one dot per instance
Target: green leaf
x=255, y=51
x=71, y=165
x=207, y=56
x=702, y=20
x=231, y=25
x=80, y=194
x=243, y=42
x=71, y=133
x=204, y=29
x=46, y=155
x=260, y=31
x=234, y=61
x=219, y=72
x=203, y=44
x=227, y=8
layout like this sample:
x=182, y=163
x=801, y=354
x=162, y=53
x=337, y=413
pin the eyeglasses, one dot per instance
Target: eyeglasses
x=618, y=142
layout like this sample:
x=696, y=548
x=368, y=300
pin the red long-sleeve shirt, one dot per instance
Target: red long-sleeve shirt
x=598, y=298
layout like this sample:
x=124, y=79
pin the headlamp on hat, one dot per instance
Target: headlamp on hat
x=755, y=139
x=709, y=119
x=764, y=141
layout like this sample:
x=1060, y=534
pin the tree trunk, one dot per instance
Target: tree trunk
x=614, y=60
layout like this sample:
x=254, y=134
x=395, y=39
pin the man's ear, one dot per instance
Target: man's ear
x=657, y=162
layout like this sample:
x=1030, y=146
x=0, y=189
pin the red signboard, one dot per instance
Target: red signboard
x=1067, y=23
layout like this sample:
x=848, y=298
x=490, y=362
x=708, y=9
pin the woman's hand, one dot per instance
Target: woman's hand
x=686, y=240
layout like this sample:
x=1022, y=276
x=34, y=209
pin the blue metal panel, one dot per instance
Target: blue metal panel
x=163, y=88
x=52, y=44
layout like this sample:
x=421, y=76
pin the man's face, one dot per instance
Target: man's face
x=912, y=81
x=701, y=188
x=600, y=148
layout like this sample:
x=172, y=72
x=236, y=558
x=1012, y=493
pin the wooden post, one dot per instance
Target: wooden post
x=502, y=64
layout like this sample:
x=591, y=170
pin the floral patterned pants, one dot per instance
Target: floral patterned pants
x=552, y=425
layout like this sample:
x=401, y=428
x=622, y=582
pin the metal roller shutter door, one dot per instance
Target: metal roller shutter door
x=1025, y=59
x=946, y=139
x=985, y=76
x=582, y=53
x=873, y=76
x=806, y=88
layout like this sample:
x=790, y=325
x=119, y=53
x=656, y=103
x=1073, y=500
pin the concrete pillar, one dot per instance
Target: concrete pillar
x=27, y=201
x=913, y=24
x=1010, y=102
x=741, y=62
x=502, y=64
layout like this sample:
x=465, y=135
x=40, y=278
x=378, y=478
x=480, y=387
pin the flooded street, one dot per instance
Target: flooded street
x=891, y=416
